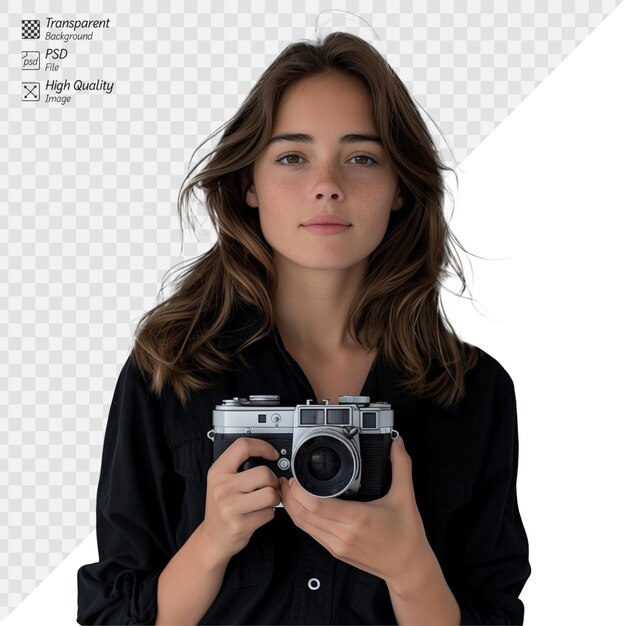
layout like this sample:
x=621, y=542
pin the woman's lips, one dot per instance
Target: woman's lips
x=326, y=225
x=326, y=229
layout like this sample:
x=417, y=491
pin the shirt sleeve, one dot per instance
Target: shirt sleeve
x=493, y=546
x=137, y=507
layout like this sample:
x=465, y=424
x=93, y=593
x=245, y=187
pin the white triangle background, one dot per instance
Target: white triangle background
x=545, y=194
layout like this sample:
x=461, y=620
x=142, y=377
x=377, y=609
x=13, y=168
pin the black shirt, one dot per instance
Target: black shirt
x=151, y=497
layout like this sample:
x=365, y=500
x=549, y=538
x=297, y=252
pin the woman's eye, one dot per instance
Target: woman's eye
x=296, y=159
x=363, y=159
x=289, y=159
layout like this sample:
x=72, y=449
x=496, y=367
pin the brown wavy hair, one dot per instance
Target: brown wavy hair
x=398, y=307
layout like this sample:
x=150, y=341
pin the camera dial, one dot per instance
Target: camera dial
x=265, y=400
x=360, y=401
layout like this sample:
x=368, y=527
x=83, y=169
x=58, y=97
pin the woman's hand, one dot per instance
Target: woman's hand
x=237, y=503
x=384, y=537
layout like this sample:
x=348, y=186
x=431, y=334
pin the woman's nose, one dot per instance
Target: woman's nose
x=327, y=185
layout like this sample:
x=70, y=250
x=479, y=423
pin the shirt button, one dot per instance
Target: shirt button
x=314, y=584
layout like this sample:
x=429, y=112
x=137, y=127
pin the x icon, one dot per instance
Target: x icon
x=31, y=91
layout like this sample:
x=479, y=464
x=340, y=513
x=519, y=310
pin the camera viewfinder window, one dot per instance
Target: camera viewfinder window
x=311, y=417
x=369, y=419
x=262, y=418
x=338, y=417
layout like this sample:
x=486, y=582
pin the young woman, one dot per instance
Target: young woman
x=326, y=192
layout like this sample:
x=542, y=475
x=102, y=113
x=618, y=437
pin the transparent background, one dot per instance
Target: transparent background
x=89, y=227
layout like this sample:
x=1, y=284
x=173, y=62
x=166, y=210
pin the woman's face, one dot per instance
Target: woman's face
x=324, y=187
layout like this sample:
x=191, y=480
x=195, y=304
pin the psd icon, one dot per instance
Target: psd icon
x=30, y=59
x=30, y=29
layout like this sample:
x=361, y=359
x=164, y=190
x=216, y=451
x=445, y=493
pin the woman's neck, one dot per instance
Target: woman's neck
x=311, y=306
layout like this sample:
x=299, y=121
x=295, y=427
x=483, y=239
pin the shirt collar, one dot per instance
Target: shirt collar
x=243, y=323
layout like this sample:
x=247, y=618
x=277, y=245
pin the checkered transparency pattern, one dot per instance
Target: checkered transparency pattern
x=90, y=225
x=30, y=29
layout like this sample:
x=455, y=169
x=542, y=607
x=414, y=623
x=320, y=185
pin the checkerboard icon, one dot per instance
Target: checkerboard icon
x=30, y=29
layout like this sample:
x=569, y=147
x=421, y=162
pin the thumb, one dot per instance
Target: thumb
x=401, y=466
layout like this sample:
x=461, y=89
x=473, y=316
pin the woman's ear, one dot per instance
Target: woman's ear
x=398, y=201
x=251, y=197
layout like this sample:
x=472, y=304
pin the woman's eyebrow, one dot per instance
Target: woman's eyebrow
x=357, y=138
x=299, y=137
x=303, y=138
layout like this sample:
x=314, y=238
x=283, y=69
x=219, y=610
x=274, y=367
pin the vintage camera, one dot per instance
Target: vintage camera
x=332, y=450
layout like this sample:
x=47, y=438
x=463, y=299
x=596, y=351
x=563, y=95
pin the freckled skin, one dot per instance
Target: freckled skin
x=296, y=180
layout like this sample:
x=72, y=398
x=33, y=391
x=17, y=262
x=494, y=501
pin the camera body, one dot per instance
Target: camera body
x=332, y=450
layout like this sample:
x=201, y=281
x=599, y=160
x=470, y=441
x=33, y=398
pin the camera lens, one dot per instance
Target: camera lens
x=326, y=463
